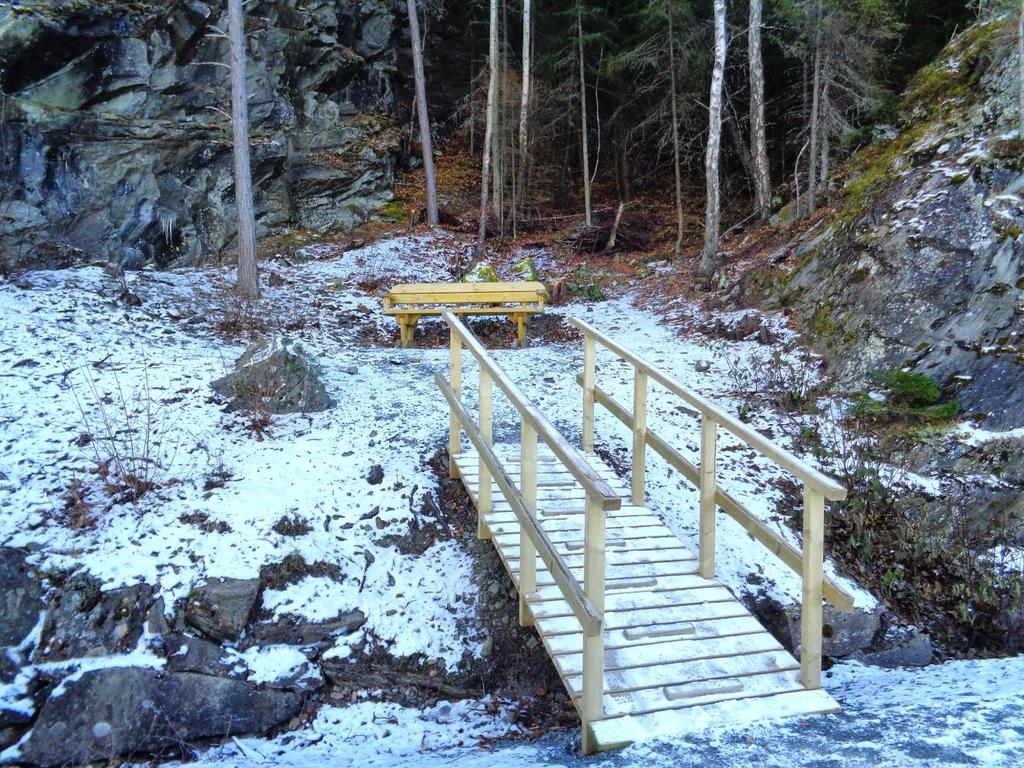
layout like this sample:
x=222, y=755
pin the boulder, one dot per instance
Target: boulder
x=221, y=608
x=276, y=376
x=843, y=634
x=132, y=710
x=20, y=597
x=85, y=621
x=914, y=651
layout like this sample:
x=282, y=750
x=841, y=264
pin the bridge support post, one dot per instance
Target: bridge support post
x=589, y=371
x=454, y=428
x=810, y=605
x=708, y=488
x=527, y=551
x=593, y=644
x=639, y=435
x=483, y=504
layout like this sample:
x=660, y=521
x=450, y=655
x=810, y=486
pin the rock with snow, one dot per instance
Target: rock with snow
x=85, y=621
x=20, y=597
x=221, y=608
x=844, y=633
x=275, y=375
x=915, y=651
x=134, y=710
x=290, y=630
x=194, y=654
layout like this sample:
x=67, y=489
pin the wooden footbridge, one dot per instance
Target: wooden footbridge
x=643, y=636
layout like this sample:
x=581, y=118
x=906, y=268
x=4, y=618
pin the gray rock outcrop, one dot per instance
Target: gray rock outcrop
x=923, y=265
x=20, y=597
x=115, y=146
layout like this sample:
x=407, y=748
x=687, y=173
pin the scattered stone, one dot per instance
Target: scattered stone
x=276, y=376
x=351, y=370
x=487, y=647
x=121, y=711
x=221, y=608
x=274, y=280
x=84, y=621
x=702, y=366
x=20, y=597
x=376, y=475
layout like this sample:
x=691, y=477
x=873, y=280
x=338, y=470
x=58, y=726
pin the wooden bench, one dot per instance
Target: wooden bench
x=516, y=300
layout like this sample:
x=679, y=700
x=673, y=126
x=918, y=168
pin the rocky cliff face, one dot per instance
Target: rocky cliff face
x=115, y=144
x=924, y=264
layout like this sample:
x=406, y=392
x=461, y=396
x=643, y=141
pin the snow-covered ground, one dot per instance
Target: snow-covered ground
x=69, y=345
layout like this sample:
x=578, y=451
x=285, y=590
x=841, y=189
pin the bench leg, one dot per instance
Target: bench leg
x=403, y=331
x=521, y=329
x=412, y=330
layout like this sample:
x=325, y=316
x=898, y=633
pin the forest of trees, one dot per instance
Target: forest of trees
x=749, y=104
x=708, y=100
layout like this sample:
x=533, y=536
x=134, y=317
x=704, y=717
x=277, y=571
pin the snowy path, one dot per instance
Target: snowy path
x=957, y=714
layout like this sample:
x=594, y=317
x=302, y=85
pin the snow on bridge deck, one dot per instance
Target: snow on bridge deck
x=677, y=646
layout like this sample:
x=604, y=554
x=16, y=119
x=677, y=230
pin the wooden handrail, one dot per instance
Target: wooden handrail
x=812, y=477
x=589, y=617
x=833, y=592
x=575, y=464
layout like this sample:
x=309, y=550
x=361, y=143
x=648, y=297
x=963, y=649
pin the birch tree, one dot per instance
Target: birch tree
x=424, y=119
x=492, y=105
x=248, y=281
x=583, y=117
x=758, y=142
x=524, y=105
x=712, y=218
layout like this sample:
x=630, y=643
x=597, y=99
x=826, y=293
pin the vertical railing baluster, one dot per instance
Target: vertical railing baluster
x=708, y=485
x=483, y=505
x=454, y=430
x=593, y=645
x=589, y=373
x=810, y=604
x=527, y=552
x=639, y=435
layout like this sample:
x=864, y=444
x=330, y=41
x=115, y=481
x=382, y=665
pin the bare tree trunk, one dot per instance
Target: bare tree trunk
x=758, y=142
x=812, y=160
x=588, y=219
x=826, y=149
x=1020, y=70
x=709, y=254
x=524, y=104
x=680, y=223
x=248, y=282
x=492, y=92
x=424, y=119
x=732, y=122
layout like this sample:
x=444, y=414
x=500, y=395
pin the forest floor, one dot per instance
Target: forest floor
x=88, y=353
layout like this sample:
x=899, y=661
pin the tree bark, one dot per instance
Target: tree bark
x=709, y=254
x=588, y=219
x=421, y=106
x=680, y=223
x=492, y=89
x=248, y=282
x=524, y=104
x=812, y=160
x=1020, y=71
x=758, y=142
x=823, y=138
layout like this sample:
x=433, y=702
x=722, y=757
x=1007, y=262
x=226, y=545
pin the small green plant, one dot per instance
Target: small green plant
x=587, y=284
x=909, y=398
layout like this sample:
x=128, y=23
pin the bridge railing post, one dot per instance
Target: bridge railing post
x=454, y=429
x=527, y=551
x=708, y=489
x=589, y=373
x=593, y=644
x=810, y=604
x=483, y=505
x=639, y=435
